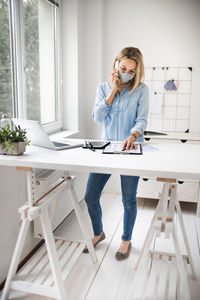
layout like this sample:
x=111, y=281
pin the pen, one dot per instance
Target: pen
x=91, y=147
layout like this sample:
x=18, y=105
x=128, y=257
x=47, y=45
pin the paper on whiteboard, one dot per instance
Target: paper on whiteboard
x=155, y=104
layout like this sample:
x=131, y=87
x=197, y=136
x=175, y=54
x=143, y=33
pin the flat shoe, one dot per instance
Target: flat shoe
x=122, y=255
x=102, y=237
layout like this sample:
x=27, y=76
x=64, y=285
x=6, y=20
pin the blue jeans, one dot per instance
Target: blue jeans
x=95, y=185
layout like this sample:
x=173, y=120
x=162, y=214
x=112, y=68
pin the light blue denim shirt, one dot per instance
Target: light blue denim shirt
x=127, y=113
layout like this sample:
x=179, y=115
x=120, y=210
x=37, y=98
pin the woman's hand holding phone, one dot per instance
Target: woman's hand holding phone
x=114, y=78
x=114, y=83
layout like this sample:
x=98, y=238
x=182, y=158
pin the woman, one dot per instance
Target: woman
x=122, y=108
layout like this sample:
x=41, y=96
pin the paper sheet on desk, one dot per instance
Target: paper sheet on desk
x=149, y=148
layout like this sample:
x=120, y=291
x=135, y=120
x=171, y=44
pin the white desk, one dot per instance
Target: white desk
x=172, y=161
x=187, y=190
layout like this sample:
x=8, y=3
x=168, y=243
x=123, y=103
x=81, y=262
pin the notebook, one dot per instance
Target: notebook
x=39, y=137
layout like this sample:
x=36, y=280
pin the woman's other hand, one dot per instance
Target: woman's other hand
x=128, y=144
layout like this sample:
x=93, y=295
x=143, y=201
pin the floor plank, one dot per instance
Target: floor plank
x=112, y=214
x=131, y=284
x=109, y=267
x=189, y=216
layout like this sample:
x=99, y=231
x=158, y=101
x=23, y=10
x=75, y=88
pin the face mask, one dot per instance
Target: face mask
x=125, y=77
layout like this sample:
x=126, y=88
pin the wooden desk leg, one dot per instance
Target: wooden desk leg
x=180, y=265
x=178, y=208
x=169, y=228
x=82, y=224
x=146, y=246
x=198, y=203
x=149, y=236
x=52, y=254
x=16, y=256
x=164, y=199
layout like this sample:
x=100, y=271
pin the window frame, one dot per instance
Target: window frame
x=17, y=62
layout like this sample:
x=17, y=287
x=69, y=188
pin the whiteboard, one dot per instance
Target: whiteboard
x=172, y=110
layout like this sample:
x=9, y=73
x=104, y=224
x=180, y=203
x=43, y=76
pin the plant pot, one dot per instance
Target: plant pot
x=19, y=148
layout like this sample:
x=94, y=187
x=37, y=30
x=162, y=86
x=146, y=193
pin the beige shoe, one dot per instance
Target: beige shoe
x=102, y=237
x=122, y=255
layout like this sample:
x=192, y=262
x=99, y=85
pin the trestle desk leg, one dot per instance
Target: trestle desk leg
x=172, y=202
x=178, y=287
x=164, y=200
x=198, y=203
x=180, y=265
x=82, y=224
x=147, y=239
x=52, y=254
x=147, y=244
x=178, y=208
x=16, y=257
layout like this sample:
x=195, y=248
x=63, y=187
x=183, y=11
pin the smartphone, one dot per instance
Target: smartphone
x=96, y=144
x=117, y=65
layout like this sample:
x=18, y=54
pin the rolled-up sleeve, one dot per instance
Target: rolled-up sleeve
x=101, y=109
x=142, y=112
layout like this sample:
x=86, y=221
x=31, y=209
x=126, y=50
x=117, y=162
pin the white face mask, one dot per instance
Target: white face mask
x=125, y=77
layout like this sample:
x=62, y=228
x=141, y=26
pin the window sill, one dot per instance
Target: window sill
x=65, y=134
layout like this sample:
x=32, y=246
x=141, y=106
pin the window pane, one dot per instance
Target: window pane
x=47, y=62
x=31, y=44
x=39, y=32
x=5, y=60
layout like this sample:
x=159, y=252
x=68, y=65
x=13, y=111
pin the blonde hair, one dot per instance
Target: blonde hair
x=136, y=55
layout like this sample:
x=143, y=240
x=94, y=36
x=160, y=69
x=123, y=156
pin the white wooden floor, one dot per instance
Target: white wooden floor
x=110, y=279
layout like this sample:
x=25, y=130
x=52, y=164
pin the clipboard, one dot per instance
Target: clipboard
x=115, y=148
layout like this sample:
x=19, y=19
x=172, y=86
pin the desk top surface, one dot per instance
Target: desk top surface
x=168, y=160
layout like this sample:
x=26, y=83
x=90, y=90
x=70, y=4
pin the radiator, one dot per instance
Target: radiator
x=45, y=180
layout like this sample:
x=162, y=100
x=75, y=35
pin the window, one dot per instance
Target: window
x=6, y=105
x=34, y=31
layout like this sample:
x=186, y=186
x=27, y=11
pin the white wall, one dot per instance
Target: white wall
x=81, y=53
x=93, y=43
x=69, y=47
x=167, y=32
x=82, y=62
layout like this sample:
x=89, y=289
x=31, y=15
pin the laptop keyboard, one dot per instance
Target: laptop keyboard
x=57, y=144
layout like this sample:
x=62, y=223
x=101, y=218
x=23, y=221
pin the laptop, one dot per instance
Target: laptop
x=39, y=137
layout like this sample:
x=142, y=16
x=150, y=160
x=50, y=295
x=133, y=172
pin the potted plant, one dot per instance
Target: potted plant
x=13, y=141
